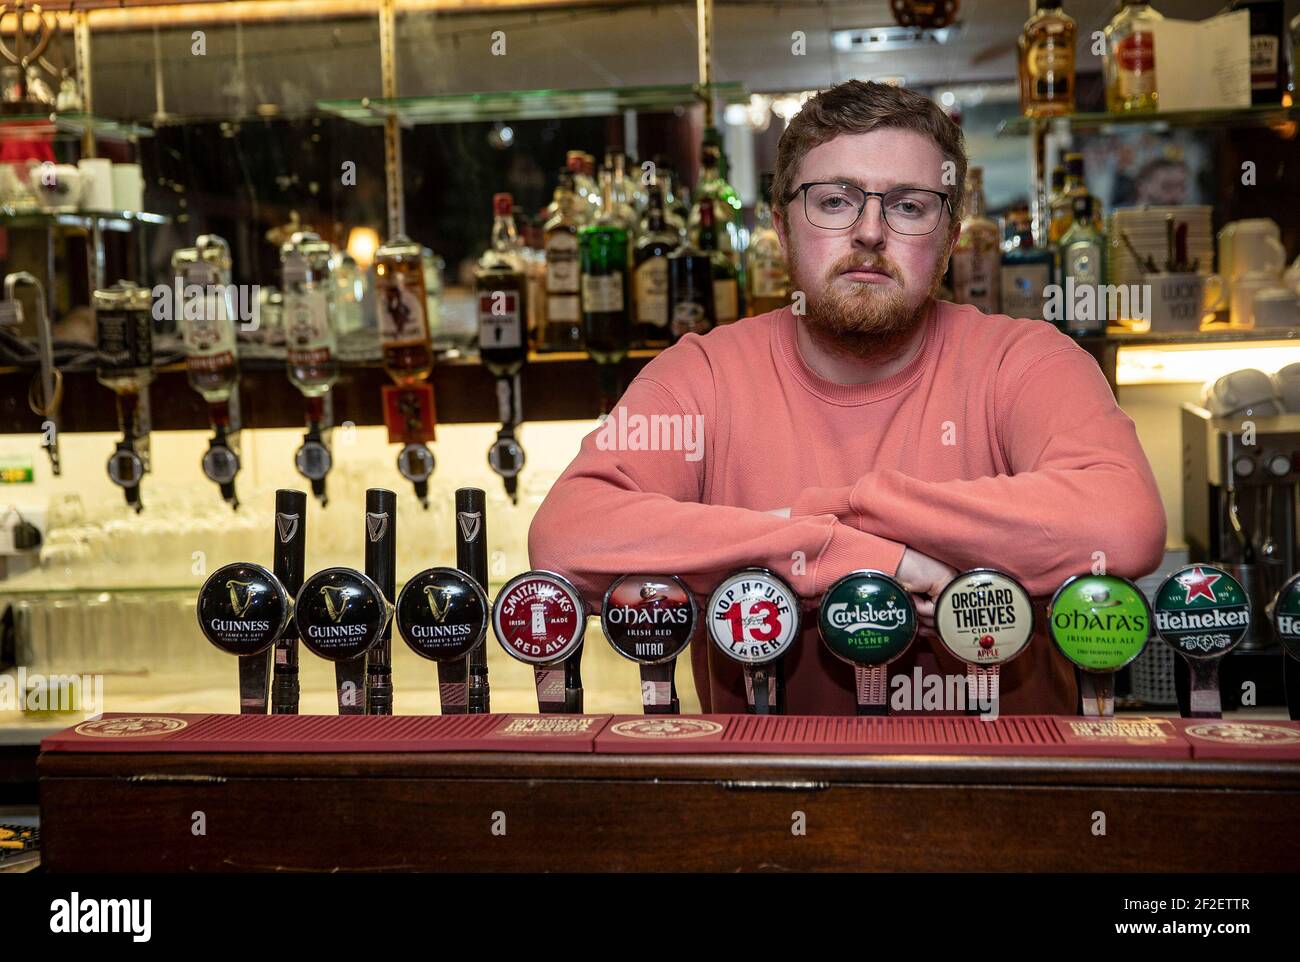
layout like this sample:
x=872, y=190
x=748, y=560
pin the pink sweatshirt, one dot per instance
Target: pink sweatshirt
x=999, y=444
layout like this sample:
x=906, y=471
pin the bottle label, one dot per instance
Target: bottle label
x=402, y=304
x=1136, y=57
x=602, y=293
x=652, y=292
x=1023, y=289
x=726, y=300
x=498, y=320
x=212, y=333
x=124, y=339
x=1263, y=61
x=563, y=309
x=306, y=320
x=974, y=275
x=1051, y=65
x=562, y=269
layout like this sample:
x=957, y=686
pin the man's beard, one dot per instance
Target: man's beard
x=864, y=320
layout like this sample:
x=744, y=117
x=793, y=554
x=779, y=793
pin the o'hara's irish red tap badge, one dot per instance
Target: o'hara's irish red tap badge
x=539, y=617
x=754, y=616
x=131, y=726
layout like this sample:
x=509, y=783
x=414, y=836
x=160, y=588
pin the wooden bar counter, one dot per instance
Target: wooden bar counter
x=593, y=798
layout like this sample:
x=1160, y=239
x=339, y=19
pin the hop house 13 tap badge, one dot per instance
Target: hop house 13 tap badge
x=754, y=616
x=984, y=617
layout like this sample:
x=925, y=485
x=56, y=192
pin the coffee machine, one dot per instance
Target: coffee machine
x=1241, y=478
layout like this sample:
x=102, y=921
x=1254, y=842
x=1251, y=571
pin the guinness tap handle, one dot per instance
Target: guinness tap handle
x=472, y=558
x=381, y=566
x=290, y=557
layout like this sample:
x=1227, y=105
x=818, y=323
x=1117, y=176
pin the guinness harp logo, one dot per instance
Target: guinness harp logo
x=336, y=600
x=240, y=605
x=469, y=523
x=286, y=526
x=436, y=593
x=376, y=524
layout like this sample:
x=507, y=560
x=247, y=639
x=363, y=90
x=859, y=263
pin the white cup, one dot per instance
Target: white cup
x=1179, y=301
x=128, y=187
x=1252, y=244
x=1276, y=307
x=57, y=186
x=96, y=183
x=1244, y=291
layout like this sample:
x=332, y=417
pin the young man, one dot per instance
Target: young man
x=867, y=425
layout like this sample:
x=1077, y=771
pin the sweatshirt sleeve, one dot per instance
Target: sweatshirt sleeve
x=614, y=512
x=1080, y=491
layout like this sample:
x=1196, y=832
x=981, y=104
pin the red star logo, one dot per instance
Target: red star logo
x=1198, y=584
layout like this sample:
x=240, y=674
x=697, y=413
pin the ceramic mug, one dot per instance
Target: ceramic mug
x=1179, y=301
x=57, y=186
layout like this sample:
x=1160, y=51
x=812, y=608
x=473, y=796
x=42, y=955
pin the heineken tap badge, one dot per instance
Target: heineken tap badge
x=1202, y=612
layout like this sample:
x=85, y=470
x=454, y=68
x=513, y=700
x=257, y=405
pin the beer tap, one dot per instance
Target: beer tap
x=311, y=343
x=205, y=309
x=46, y=391
x=124, y=337
x=501, y=293
x=408, y=358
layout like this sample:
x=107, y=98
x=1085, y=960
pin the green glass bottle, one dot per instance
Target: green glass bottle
x=606, y=312
x=1082, y=254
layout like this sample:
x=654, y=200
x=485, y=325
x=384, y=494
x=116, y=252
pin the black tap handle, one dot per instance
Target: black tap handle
x=381, y=566
x=290, y=556
x=472, y=558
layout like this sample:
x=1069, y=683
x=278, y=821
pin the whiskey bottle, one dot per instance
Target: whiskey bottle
x=563, y=330
x=1130, y=58
x=727, y=208
x=1047, y=62
x=765, y=270
x=690, y=293
x=976, y=258
x=726, y=286
x=657, y=241
x=606, y=308
x=124, y=339
x=1268, y=73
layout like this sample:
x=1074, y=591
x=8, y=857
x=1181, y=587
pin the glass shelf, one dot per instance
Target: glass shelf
x=70, y=125
x=1263, y=116
x=113, y=220
x=527, y=104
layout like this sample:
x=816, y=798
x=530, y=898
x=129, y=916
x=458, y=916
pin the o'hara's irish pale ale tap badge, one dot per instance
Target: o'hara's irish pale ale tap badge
x=1101, y=623
x=753, y=616
x=243, y=609
x=443, y=614
x=1203, y=613
x=985, y=618
x=1286, y=624
x=341, y=614
x=540, y=618
x=868, y=620
x=650, y=619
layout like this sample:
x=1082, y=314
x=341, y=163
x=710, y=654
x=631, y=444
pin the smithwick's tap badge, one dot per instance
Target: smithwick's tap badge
x=442, y=614
x=753, y=616
x=243, y=608
x=539, y=617
x=1099, y=622
x=984, y=617
x=649, y=619
x=867, y=618
x=1286, y=616
x=1202, y=611
x=340, y=613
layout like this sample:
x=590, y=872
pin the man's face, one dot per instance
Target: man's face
x=867, y=287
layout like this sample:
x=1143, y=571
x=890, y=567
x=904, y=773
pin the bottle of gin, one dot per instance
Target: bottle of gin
x=1026, y=272
x=977, y=256
x=1083, y=269
x=1130, y=58
x=1047, y=62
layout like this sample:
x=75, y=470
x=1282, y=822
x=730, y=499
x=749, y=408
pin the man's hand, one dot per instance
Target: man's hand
x=924, y=578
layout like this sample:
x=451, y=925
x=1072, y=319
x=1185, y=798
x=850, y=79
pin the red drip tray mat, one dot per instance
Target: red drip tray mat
x=1277, y=741
x=910, y=735
x=120, y=732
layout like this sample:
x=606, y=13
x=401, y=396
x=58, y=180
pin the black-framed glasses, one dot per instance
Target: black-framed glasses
x=906, y=210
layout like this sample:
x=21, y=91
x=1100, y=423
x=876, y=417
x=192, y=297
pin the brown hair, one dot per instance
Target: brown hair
x=855, y=107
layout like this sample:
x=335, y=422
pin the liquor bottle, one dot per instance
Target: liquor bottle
x=1055, y=197
x=1268, y=73
x=727, y=208
x=624, y=210
x=1026, y=273
x=501, y=293
x=690, y=293
x=206, y=313
x=657, y=241
x=675, y=212
x=975, y=260
x=769, y=281
x=584, y=184
x=1047, y=62
x=311, y=345
x=563, y=331
x=1061, y=206
x=726, y=286
x=606, y=300
x=403, y=304
x=1082, y=257
x=124, y=338
x=1130, y=58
